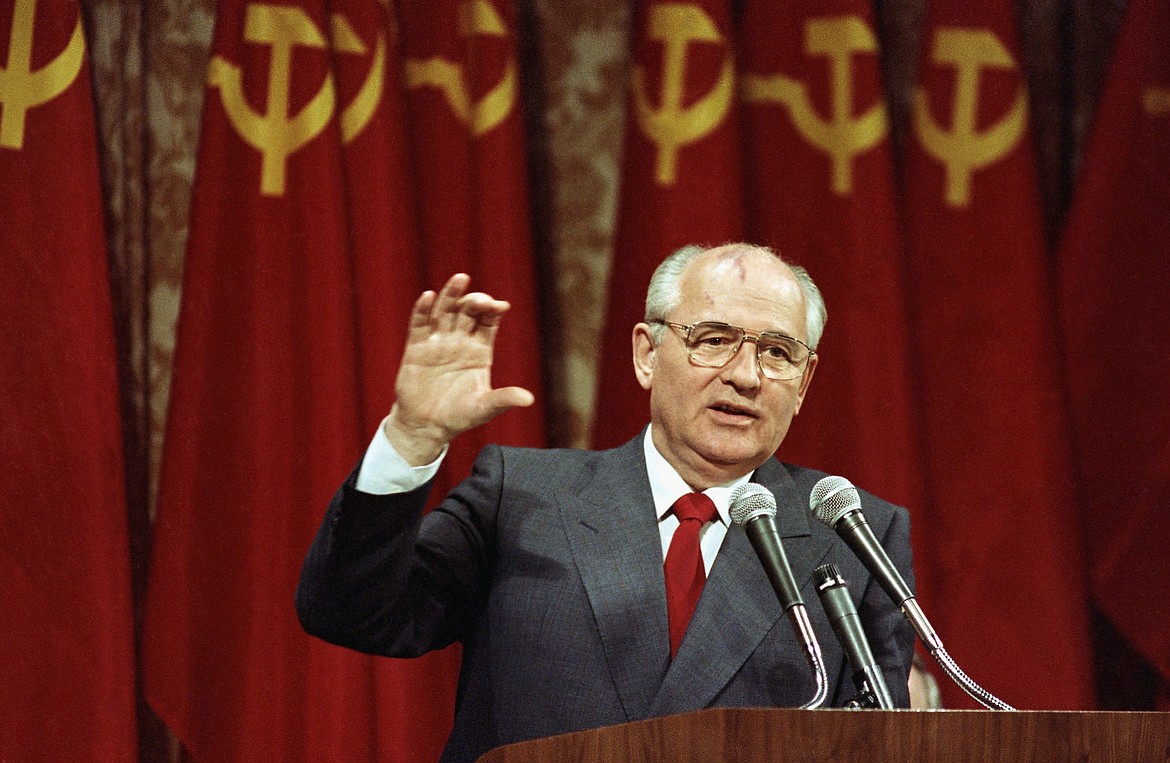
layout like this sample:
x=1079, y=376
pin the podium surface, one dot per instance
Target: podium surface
x=731, y=734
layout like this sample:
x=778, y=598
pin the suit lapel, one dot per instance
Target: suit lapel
x=614, y=539
x=738, y=606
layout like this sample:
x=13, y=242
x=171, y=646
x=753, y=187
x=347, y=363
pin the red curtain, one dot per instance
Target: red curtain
x=681, y=180
x=67, y=672
x=266, y=414
x=413, y=699
x=820, y=190
x=355, y=153
x=1114, y=268
x=318, y=219
x=462, y=73
x=998, y=525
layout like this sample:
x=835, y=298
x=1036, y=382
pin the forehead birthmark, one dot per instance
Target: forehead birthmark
x=726, y=266
x=733, y=263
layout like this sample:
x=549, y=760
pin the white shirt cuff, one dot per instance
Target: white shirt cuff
x=383, y=471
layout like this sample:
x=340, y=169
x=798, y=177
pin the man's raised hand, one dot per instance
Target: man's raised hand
x=444, y=382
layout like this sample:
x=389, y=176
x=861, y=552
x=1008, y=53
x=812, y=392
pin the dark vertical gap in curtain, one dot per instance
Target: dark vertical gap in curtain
x=899, y=31
x=119, y=110
x=543, y=209
x=1124, y=679
x=1045, y=65
x=155, y=742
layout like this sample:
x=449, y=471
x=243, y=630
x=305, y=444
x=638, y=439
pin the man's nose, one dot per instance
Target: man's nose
x=743, y=370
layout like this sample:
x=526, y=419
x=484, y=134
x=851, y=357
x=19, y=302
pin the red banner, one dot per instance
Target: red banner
x=289, y=344
x=300, y=272
x=67, y=672
x=1001, y=529
x=820, y=191
x=1114, y=270
x=462, y=73
x=414, y=699
x=681, y=180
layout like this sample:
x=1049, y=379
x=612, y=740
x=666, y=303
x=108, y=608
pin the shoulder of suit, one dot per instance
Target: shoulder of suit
x=567, y=468
x=877, y=509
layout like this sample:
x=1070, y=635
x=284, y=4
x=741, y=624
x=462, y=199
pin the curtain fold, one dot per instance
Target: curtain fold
x=67, y=677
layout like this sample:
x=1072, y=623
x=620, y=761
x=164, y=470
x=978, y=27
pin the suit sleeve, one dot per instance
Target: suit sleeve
x=891, y=636
x=382, y=578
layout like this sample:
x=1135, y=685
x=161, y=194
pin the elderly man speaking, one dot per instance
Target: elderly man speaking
x=591, y=588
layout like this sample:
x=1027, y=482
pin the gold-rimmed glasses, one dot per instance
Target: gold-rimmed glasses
x=713, y=344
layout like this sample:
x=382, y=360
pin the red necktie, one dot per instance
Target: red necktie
x=684, y=564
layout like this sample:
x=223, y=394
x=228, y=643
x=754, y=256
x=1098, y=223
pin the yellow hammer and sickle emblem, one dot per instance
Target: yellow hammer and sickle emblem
x=841, y=137
x=357, y=114
x=1156, y=100
x=964, y=150
x=672, y=125
x=478, y=17
x=22, y=87
x=277, y=133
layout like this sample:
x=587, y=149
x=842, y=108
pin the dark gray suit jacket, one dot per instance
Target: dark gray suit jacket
x=547, y=566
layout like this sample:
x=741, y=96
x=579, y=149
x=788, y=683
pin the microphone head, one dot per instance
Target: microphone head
x=751, y=500
x=833, y=498
x=827, y=575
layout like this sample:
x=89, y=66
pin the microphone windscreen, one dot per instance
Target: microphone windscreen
x=827, y=575
x=749, y=501
x=832, y=498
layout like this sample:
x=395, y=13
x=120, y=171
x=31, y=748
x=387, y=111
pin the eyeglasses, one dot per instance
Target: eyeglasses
x=713, y=345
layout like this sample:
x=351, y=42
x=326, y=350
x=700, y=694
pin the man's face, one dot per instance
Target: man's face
x=715, y=424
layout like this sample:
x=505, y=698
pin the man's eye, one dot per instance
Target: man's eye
x=775, y=352
x=713, y=341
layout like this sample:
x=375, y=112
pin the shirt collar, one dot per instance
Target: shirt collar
x=667, y=486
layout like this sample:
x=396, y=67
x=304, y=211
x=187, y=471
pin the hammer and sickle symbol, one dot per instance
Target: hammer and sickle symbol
x=357, y=114
x=476, y=17
x=277, y=133
x=672, y=125
x=22, y=87
x=964, y=149
x=841, y=136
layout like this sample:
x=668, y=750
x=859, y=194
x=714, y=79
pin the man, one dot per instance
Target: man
x=548, y=565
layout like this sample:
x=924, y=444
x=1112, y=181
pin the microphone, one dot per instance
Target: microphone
x=867, y=675
x=836, y=502
x=753, y=507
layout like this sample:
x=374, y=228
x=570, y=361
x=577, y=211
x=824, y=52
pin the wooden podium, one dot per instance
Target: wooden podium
x=746, y=735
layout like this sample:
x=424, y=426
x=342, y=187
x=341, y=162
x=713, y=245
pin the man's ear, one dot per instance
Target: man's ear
x=643, y=342
x=805, y=381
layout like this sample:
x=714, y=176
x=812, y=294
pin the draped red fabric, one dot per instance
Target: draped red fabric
x=1114, y=266
x=462, y=74
x=820, y=192
x=300, y=271
x=681, y=180
x=1003, y=559
x=414, y=699
x=67, y=671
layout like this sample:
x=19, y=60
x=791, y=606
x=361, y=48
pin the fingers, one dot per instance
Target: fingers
x=445, y=310
x=505, y=398
x=480, y=314
x=453, y=310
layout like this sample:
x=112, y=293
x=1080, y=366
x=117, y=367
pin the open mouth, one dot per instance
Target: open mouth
x=731, y=409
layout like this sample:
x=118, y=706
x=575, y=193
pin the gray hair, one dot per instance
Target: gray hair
x=665, y=291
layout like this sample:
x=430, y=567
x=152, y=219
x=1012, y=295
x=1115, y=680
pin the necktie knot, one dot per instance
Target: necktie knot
x=695, y=506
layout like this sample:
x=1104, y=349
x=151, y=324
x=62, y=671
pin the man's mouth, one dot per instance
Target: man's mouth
x=733, y=410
